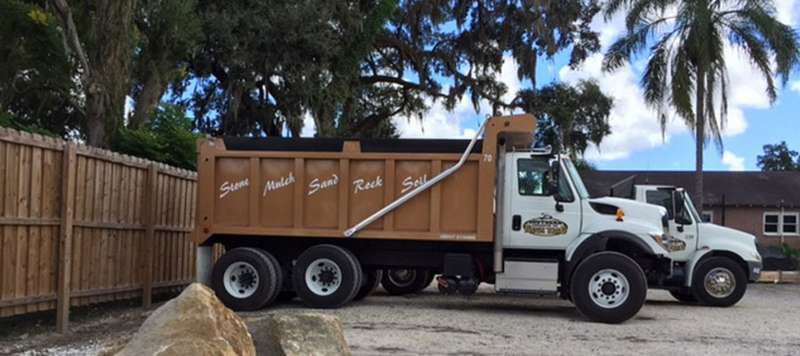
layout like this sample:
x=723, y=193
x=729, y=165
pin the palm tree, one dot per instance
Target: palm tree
x=686, y=41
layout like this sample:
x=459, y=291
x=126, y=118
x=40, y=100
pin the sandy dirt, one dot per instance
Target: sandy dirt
x=766, y=321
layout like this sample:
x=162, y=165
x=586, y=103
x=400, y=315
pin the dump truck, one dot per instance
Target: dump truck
x=320, y=217
x=712, y=264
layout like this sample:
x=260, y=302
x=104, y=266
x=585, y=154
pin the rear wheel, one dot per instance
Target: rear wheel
x=246, y=278
x=719, y=281
x=404, y=281
x=372, y=278
x=285, y=296
x=326, y=276
x=683, y=295
x=427, y=282
x=608, y=287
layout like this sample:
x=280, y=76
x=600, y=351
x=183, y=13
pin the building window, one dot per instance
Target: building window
x=790, y=221
x=707, y=216
x=787, y=223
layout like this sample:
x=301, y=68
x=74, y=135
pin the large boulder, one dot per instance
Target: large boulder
x=194, y=323
x=305, y=334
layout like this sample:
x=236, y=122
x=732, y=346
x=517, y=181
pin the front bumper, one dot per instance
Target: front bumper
x=753, y=270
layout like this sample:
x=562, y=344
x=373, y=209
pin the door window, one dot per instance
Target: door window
x=533, y=179
x=661, y=197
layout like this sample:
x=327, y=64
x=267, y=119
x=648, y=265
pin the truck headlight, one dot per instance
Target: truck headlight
x=658, y=238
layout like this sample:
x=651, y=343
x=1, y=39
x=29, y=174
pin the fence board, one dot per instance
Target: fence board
x=123, y=240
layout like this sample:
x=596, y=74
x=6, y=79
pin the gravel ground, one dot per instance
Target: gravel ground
x=766, y=321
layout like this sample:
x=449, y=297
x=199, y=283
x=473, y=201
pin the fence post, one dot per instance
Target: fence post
x=150, y=205
x=65, y=237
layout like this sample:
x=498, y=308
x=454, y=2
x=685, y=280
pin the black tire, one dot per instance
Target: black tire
x=425, y=283
x=349, y=278
x=285, y=296
x=359, y=275
x=618, y=266
x=683, y=295
x=372, y=278
x=404, y=281
x=715, y=265
x=269, y=277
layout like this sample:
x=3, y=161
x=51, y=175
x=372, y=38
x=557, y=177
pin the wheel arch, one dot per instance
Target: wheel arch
x=619, y=241
x=714, y=253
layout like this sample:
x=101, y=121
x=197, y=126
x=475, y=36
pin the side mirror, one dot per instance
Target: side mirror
x=679, y=208
x=552, y=179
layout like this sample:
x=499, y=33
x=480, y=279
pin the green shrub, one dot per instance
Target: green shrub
x=168, y=138
x=8, y=120
x=792, y=253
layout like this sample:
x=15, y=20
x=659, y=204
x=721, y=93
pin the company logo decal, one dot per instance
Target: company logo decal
x=412, y=182
x=362, y=185
x=228, y=187
x=545, y=225
x=319, y=184
x=283, y=182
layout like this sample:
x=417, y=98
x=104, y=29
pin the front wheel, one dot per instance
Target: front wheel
x=608, y=287
x=683, y=295
x=719, y=281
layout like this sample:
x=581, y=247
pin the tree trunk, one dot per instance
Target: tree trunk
x=106, y=68
x=96, y=113
x=111, y=61
x=323, y=118
x=700, y=138
x=148, y=98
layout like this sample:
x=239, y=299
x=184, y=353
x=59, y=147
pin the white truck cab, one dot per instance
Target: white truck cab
x=712, y=264
x=552, y=237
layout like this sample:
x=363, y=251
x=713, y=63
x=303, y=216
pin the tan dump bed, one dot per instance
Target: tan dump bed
x=322, y=193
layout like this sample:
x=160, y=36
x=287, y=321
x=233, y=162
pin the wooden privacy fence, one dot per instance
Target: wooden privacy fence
x=81, y=225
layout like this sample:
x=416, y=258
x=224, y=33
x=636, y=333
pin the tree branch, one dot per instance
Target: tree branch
x=71, y=33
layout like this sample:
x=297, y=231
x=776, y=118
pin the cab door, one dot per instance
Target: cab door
x=539, y=219
x=683, y=227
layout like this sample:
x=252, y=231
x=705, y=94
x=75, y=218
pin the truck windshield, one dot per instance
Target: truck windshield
x=576, y=179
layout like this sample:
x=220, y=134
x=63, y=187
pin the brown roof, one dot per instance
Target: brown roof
x=764, y=189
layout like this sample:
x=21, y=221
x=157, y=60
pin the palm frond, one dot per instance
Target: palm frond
x=640, y=11
x=745, y=36
x=655, y=77
x=613, y=6
x=683, y=73
x=634, y=41
x=781, y=39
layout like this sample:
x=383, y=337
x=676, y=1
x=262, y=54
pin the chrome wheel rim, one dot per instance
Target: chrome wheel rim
x=402, y=277
x=720, y=282
x=608, y=288
x=323, y=277
x=241, y=280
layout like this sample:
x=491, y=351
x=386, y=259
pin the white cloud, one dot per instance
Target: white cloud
x=634, y=125
x=129, y=105
x=795, y=86
x=734, y=162
x=437, y=122
x=786, y=11
x=309, y=127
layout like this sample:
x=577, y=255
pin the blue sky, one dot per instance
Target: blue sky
x=636, y=141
